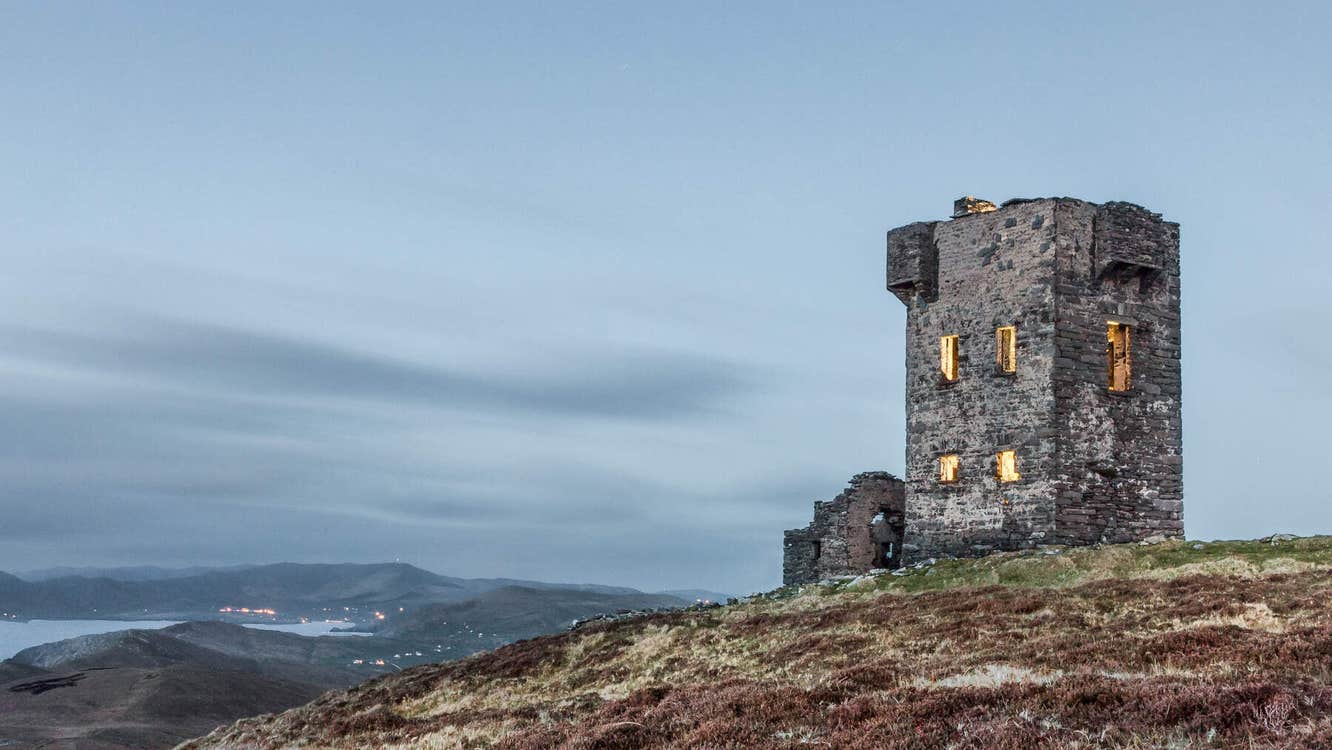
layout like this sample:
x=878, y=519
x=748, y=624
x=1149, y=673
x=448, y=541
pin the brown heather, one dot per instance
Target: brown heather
x=1175, y=645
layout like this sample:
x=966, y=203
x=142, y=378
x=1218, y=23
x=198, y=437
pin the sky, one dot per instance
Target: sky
x=594, y=291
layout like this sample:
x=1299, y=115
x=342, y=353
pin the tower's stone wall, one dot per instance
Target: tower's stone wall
x=994, y=269
x=1120, y=475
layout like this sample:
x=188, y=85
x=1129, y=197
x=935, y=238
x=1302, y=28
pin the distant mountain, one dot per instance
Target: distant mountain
x=509, y=614
x=290, y=590
x=126, y=573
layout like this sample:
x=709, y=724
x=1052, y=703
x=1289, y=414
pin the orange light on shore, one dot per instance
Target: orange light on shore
x=247, y=611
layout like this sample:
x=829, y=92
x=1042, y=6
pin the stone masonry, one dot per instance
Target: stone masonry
x=1095, y=459
x=856, y=531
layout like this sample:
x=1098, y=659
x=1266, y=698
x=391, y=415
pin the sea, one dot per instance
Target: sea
x=16, y=636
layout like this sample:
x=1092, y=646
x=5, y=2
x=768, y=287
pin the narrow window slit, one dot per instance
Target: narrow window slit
x=948, y=358
x=1119, y=361
x=1007, y=466
x=1005, y=342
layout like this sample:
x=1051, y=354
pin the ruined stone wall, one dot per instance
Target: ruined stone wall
x=857, y=531
x=993, y=269
x=1121, y=470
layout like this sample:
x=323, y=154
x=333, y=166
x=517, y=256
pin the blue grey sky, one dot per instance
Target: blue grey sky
x=594, y=292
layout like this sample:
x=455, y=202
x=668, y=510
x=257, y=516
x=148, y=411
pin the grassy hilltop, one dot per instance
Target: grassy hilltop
x=1173, y=645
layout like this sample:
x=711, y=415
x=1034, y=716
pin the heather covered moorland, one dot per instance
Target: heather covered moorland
x=1173, y=645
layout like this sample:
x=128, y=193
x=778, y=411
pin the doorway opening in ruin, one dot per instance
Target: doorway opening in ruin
x=886, y=532
x=886, y=552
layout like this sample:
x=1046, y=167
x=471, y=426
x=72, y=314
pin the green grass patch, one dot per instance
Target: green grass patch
x=1056, y=567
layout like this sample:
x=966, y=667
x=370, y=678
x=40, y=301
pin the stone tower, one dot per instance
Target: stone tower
x=1042, y=376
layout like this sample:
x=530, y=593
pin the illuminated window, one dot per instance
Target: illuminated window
x=948, y=466
x=1119, y=363
x=1007, y=466
x=948, y=358
x=1005, y=344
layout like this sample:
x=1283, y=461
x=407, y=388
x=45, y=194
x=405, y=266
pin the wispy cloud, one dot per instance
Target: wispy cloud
x=629, y=384
x=143, y=435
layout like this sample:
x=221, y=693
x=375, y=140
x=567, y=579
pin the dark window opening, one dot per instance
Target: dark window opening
x=885, y=558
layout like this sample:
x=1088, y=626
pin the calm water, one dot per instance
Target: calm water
x=16, y=636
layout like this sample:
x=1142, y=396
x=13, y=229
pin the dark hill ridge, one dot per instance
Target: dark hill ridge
x=154, y=688
x=324, y=661
x=123, y=648
x=1179, y=644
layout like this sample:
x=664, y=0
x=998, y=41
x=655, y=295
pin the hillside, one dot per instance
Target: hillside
x=509, y=614
x=154, y=688
x=1176, y=645
x=121, y=708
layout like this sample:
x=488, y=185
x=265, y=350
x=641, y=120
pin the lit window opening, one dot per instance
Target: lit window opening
x=1005, y=341
x=949, y=466
x=948, y=358
x=1007, y=466
x=1119, y=358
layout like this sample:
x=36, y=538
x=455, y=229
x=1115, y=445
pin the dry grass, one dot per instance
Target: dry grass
x=1163, y=646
